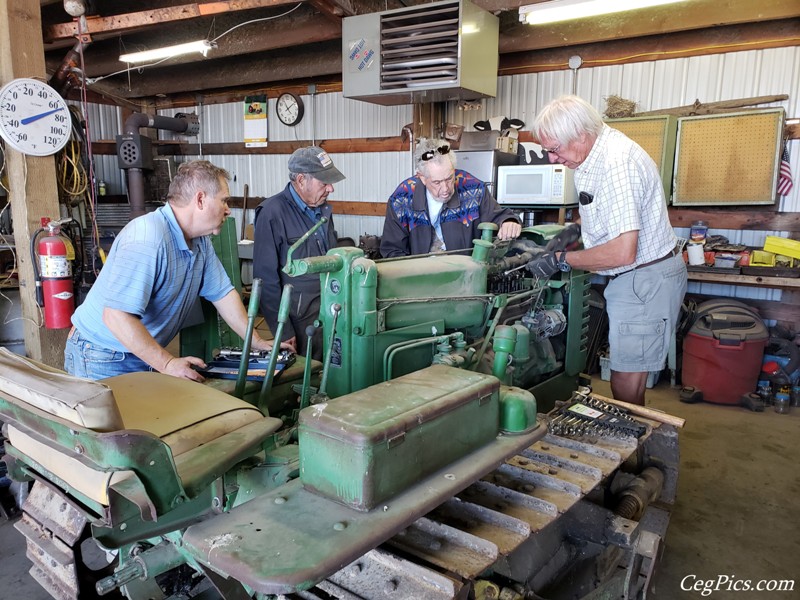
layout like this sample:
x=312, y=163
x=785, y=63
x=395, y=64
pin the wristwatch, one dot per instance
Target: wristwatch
x=563, y=265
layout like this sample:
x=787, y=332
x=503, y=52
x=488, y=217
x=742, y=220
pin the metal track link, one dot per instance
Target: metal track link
x=491, y=518
x=51, y=542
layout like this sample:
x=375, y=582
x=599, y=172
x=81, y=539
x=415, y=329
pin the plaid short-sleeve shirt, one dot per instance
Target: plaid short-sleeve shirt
x=628, y=196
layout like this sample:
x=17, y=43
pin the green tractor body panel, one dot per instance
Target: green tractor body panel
x=360, y=452
x=438, y=287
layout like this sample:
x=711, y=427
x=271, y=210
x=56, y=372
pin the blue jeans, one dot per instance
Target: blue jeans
x=82, y=358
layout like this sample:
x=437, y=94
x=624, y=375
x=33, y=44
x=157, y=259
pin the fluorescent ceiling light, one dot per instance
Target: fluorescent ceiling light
x=201, y=46
x=564, y=10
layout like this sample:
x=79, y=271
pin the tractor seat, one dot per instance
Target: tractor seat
x=184, y=414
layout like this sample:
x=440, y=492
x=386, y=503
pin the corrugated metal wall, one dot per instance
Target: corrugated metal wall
x=371, y=177
x=104, y=123
x=664, y=84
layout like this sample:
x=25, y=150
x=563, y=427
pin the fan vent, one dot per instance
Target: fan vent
x=420, y=47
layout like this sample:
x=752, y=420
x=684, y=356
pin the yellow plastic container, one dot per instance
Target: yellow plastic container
x=784, y=246
x=760, y=258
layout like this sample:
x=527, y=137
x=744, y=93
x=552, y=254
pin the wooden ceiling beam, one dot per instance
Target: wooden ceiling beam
x=300, y=63
x=748, y=36
x=306, y=28
x=698, y=14
x=497, y=6
x=158, y=16
x=338, y=9
x=332, y=10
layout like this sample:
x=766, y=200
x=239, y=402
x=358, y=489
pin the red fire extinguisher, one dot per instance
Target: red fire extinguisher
x=55, y=274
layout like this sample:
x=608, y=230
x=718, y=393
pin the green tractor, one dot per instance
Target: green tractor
x=414, y=462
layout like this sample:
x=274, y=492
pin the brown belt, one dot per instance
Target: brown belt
x=670, y=254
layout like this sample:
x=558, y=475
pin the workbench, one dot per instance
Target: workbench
x=784, y=283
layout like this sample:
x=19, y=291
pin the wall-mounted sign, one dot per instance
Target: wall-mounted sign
x=255, y=121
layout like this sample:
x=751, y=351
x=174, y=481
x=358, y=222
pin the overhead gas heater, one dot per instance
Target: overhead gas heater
x=566, y=10
x=427, y=53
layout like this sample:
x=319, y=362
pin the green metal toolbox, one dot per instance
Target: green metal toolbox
x=361, y=452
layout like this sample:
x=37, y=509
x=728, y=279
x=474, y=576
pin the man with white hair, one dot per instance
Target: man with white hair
x=627, y=237
x=441, y=207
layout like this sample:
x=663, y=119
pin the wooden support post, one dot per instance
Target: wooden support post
x=32, y=179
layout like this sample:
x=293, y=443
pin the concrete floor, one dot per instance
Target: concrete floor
x=736, y=515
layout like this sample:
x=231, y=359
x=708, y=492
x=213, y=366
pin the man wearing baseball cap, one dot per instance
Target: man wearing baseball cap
x=280, y=221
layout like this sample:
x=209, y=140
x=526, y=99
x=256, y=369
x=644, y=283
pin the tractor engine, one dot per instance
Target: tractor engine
x=386, y=318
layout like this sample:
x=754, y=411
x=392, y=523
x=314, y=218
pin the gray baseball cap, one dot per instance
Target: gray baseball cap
x=314, y=161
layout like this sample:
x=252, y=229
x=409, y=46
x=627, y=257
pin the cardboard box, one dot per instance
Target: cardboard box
x=507, y=144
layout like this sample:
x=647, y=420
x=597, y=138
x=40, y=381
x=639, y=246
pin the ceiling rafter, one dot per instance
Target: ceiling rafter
x=332, y=9
x=159, y=16
x=302, y=46
x=307, y=27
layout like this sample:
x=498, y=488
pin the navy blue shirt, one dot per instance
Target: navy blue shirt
x=314, y=214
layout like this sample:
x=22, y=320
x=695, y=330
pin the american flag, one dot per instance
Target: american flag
x=785, y=183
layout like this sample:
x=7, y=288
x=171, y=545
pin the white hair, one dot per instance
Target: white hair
x=433, y=152
x=565, y=119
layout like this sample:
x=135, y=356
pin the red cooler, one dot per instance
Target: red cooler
x=723, y=350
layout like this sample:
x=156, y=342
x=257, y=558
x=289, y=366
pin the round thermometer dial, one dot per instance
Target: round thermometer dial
x=34, y=118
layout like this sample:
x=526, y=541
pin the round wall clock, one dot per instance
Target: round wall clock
x=34, y=118
x=289, y=108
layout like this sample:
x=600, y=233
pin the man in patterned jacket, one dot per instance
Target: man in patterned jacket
x=440, y=209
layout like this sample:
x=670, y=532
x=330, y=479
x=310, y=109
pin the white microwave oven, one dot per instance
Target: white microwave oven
x=536, y=185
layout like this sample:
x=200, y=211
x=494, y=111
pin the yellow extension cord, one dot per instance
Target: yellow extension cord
x=72, y=178
x=73, y=181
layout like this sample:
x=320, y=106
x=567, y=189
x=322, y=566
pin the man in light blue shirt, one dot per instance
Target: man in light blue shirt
x=158, y=266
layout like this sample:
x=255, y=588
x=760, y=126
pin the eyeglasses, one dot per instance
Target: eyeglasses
x=426, y=156
x=552, y=150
